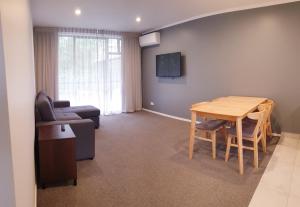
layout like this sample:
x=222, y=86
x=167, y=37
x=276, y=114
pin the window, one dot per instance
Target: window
x=89, y=71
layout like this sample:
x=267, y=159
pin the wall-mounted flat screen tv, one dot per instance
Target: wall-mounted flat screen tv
x=168, y=65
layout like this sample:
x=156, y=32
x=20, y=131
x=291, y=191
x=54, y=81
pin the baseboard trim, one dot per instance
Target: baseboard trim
x=276, y=135
x=167, y=115
x=290, y=134
x=187, y=120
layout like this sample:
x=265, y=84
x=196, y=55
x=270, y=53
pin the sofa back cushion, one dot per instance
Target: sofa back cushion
x=51, y=102
x=44, y=108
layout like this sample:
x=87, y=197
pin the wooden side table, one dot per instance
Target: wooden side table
x=57, y=154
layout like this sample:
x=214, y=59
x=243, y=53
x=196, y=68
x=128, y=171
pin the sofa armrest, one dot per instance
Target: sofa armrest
x=48, y=123
x=61, y=104
x=85, y=136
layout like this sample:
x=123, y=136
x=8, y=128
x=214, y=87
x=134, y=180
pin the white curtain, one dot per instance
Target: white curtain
x=131, y=73
x=90, y=68
x=45, y=57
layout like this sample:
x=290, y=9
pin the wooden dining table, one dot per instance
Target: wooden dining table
x=230, y=108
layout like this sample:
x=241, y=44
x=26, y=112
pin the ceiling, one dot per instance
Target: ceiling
x=119, y=15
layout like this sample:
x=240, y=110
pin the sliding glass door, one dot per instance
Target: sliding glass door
x=89, y=71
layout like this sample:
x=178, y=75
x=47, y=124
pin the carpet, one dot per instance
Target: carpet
x=142, y=161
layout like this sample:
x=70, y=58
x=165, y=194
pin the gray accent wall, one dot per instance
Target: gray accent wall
x=248, y=53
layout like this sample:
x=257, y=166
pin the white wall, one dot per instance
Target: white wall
x=6, y=177
x=17, y=43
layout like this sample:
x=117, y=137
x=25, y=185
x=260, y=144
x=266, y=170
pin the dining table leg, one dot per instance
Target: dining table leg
x=240, y=144
x=192, y=134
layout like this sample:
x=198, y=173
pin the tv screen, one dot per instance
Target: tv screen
x=168, y=65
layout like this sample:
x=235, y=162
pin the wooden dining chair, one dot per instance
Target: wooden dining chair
x=206, y=130
x=269, y=104
x=251, y=132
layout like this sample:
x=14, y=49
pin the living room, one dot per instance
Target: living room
x=149, y=103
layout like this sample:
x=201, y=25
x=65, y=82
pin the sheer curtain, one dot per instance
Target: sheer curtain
x=90, y=68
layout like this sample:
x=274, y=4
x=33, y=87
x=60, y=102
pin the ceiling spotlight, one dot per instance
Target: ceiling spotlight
x=138, y=19
x=77, y=12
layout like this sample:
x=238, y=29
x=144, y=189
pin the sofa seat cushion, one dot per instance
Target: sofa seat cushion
x=82, y=111
x=66, y=116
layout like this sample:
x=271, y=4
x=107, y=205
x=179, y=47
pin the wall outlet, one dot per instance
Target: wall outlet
x=152, y=103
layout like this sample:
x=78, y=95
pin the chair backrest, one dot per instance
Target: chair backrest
x=267, y=106
x=270, y=102
x=271, y=107
x=259, y=117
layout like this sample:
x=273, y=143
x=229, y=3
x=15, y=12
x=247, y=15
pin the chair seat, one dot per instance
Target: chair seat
x=248, y=129
x=210, y=125
x=247, y=121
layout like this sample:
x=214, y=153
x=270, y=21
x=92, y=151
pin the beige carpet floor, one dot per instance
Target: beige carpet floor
x=142, y=161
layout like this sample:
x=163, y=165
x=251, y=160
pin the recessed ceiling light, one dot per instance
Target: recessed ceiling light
x=77, y=12
x=138, y=19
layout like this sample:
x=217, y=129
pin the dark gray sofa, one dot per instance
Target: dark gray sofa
x=83, y=121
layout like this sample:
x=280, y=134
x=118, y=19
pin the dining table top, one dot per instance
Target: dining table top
x=229, y=107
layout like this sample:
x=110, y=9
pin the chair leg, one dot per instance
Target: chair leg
x=224, y=130
x=229, y=138
x=255, y=151
x=213, y=143
x=269, y=127
x=264, y=140
x=264, y=144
